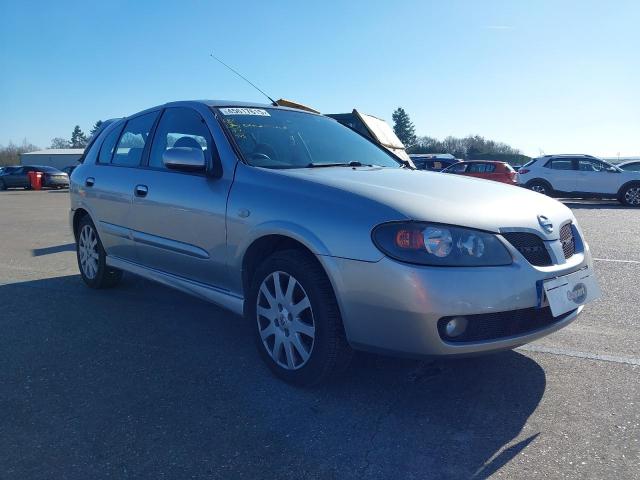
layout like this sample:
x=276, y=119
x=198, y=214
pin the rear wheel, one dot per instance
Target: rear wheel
x=630, y=195
x=92, y=257
x=299, y=330
x=540, y=186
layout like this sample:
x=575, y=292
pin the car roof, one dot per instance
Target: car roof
x=218, y=103
x=485, y=161
x=568, y=155
x=44, y=167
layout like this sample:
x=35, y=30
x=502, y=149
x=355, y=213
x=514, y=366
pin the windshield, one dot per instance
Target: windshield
x=274, y=138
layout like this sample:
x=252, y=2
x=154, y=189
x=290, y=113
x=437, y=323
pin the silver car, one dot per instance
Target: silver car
x=323, y=240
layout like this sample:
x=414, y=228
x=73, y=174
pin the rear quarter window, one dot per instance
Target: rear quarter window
x=109, y=144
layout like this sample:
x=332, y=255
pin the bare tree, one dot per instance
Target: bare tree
x=10, y=155
x=59, y=142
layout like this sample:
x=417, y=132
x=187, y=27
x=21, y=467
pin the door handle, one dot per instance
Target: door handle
x=141, y=190
x=89, y=182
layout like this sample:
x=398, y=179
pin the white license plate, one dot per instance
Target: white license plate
x=568, y=292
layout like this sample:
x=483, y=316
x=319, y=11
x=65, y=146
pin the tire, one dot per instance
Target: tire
x=540, y=186
x=630, y=195
x=92, y=257
x=312, y=346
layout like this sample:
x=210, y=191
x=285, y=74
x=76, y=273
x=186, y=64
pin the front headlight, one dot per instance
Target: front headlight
x=440, y=245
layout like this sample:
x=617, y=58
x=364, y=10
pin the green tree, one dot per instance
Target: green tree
x=96, y=127
x=403, y=127
x=58, y=142
x=78, y=138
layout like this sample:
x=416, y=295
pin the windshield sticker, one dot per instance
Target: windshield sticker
x=245, y=111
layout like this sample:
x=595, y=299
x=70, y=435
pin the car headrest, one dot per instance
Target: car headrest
x=188, y=142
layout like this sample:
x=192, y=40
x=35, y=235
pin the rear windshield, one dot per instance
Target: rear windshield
x=274, y=138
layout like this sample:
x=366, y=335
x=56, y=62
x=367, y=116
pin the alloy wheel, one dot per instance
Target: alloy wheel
x=88, y=250
x=632, y=196
x=539, y=188
x=285, y=320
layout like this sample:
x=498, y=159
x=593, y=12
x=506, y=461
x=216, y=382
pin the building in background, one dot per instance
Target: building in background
x=53, y=157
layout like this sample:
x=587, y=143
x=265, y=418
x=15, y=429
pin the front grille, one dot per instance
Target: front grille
x=531, y=246
x=494, y=326
x=567, y=240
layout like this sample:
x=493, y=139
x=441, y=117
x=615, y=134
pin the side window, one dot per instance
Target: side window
x=109, y=145
x=481, y=168
x=133, y=140
x=560, y=164
x=458, y=168
x=591, y=166
x=179, y=128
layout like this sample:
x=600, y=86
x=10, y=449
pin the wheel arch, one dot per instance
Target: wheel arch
x=627, y=185
x=265, y=246
x=539, y=180
x=78, y=215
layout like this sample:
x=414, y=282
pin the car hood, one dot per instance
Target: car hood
x=444, y=198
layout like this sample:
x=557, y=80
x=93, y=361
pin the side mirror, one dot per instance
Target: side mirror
x=184, y=158
x=612, y=170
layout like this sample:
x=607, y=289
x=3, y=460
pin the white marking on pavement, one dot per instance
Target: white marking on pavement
x=618, y=261
x=576, y=354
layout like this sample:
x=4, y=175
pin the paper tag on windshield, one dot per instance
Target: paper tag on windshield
x=245, y=111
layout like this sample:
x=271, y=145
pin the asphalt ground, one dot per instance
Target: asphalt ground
x=145, y=382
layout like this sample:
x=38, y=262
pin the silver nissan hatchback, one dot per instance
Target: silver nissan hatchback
x=323, y=240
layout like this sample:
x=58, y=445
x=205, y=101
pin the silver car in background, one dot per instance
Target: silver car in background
x=323, y=240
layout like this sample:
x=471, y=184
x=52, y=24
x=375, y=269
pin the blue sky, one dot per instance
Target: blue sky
x=558, y=77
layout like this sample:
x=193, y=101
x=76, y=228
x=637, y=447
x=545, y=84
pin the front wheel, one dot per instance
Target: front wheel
x=630, y=195
x=299, y=331
x=92, y=258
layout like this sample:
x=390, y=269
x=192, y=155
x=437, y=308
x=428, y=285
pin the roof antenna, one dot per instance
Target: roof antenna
x=273, y=102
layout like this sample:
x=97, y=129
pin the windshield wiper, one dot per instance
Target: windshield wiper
x=350, y=164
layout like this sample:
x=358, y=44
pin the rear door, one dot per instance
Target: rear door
x=561, y=174
x=109, y=185
x=178, y=216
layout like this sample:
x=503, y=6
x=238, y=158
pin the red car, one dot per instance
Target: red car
x=490, y=170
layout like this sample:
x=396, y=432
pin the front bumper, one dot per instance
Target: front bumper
x=392, y=307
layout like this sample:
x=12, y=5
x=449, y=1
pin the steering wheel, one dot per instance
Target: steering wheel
x=263, y=150
x=260, y=156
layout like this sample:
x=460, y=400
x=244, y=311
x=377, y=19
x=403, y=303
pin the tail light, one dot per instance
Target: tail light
x=522, y=171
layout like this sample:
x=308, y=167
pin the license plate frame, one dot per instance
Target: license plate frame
x=568, y=292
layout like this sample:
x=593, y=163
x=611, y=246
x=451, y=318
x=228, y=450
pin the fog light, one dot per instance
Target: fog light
x=456, y=326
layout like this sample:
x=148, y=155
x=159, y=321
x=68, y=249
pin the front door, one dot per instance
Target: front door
x=179, y=216
x=593, y=177
x=17, y=178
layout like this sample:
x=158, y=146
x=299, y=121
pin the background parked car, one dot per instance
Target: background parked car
x=433, y=162
x=581, y=176
x=69, y=170
x=632, y=166
x=17, y=177
x=489, y=170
